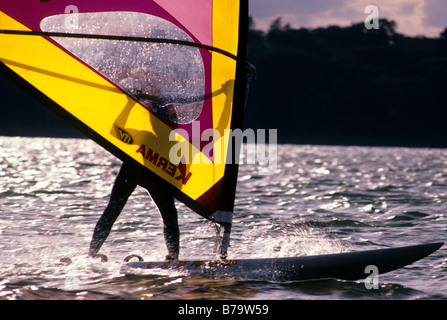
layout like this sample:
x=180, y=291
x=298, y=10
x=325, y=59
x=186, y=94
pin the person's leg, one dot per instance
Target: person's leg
x=166, y=205
x=125, y=184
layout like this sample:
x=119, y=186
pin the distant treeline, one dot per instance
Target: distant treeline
x=349, y=85
x=334, y=85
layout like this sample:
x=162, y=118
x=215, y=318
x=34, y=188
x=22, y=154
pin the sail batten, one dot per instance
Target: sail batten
x=124, y=38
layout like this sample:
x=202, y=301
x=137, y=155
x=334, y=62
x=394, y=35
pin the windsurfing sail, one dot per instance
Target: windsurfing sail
x=158, y=83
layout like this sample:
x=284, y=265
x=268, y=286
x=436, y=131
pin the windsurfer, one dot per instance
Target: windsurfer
x=127, y=180
x=125, y=184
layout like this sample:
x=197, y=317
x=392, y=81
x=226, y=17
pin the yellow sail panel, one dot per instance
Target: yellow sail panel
x=225, y=35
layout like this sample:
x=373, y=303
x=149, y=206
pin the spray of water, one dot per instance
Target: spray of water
x=291, y=239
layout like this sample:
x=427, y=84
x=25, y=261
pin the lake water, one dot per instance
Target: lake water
x=321, y=199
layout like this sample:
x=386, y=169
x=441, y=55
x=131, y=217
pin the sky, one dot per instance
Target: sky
x=413, y=17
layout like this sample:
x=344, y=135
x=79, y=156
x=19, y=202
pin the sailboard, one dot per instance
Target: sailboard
x=343, y=266
x=158, y=83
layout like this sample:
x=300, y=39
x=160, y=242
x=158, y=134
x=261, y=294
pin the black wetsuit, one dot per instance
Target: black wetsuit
x=124, y=185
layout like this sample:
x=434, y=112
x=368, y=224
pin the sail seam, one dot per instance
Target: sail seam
x=124, y=38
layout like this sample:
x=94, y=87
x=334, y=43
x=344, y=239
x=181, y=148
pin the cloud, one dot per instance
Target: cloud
x=413, y=17
x=436, y=13
x=298, y=13
x=265, y=8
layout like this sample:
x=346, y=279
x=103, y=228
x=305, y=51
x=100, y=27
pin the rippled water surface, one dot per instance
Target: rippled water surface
x=321, y=199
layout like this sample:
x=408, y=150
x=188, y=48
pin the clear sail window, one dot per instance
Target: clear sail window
x=166, y=78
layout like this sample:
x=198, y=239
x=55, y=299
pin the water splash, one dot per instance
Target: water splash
x=291, y=239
